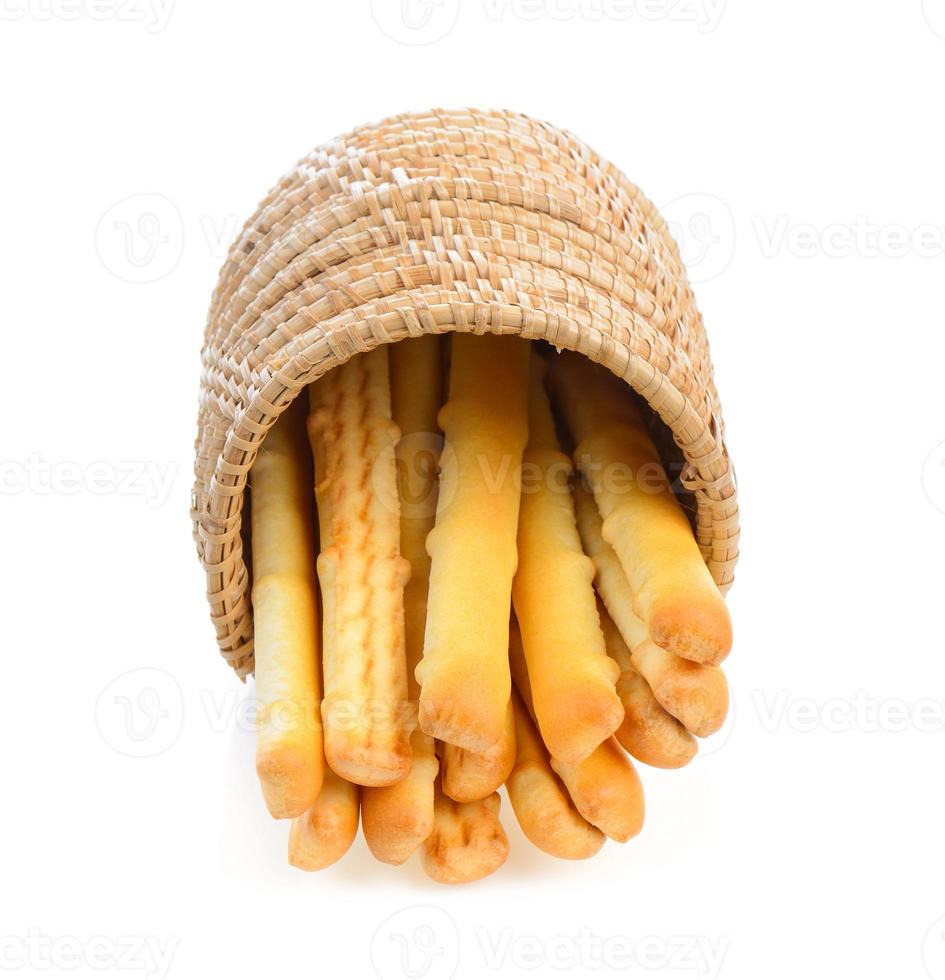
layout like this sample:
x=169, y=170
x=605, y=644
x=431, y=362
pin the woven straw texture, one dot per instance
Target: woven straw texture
x=435, y=222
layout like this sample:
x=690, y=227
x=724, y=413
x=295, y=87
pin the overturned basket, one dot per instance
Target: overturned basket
x=446, y=221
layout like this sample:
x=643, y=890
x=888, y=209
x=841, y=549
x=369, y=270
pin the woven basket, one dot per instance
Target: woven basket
x=428, y=223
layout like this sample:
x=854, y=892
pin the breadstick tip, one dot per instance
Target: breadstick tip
x=700, y=631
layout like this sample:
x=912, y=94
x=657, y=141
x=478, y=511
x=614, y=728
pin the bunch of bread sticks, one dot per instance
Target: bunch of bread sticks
x=484, y=608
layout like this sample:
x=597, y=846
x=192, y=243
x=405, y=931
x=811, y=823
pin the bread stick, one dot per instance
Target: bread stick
x=361, y=572
x=397, y=819
x=606, y=790
x=544, y=810
x=604, y=787
x=467, y=842
x=673, y=591
x=648, y=731
x=464, y=675
x=470, y=776
x=289, y=754
x=695, y=694
x=323, y=834
x=572, y=678
x=416, y=397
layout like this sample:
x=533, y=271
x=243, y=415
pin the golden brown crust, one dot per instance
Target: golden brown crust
x=289, y=753
x=572, y=678
x=467, y=843
x=604, y=787
x=361, y=572
x=464, y=675
x=416, y=375
x=673, y=591
x=323, y=834
x=695, y=694
x=540, y=801
x=606, y=790
x=648, y=731
x=397, y=819
x=470, y=776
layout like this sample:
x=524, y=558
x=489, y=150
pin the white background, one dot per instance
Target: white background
x=798, y=149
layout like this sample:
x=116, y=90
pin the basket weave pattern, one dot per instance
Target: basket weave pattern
x=428, y=223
